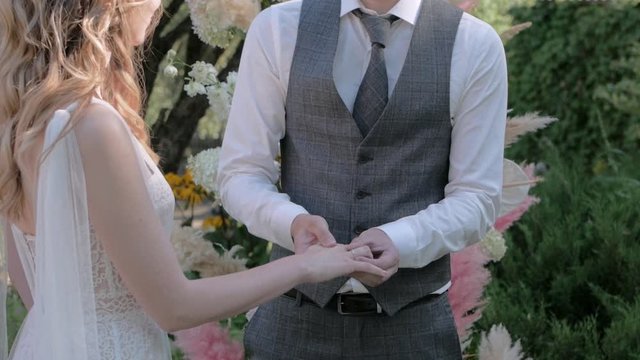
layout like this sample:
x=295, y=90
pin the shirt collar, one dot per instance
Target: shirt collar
x=406, y=10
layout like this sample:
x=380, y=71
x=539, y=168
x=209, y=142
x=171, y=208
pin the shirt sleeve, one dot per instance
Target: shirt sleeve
x=472, y=195
x=247, y=170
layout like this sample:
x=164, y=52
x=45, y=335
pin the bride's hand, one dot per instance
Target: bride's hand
x=323, y=264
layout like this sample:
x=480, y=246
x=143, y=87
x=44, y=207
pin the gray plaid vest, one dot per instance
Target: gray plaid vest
x=397, y=170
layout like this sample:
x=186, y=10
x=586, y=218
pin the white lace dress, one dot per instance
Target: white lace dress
x=122, y=329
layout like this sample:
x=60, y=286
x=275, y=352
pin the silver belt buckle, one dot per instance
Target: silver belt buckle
x=342, y=312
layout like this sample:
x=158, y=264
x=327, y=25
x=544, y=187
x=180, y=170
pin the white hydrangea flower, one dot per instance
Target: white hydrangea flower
x=194, y=88
x=219, y=100
x=494, y=245
x=217, y=22
x=171, y=71
x=230, y=84
x=204, y=73
x=204, y=167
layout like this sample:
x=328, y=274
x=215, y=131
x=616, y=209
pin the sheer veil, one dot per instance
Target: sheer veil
x=64, y=302
x=64, y=297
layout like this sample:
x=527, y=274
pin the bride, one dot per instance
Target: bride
x=87, y=214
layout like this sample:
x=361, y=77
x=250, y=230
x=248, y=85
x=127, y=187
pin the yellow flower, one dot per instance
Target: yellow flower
x=173, y=179
x=185, y=189
x=188, y=177
x=196, y=197
x=212, y=222
x=184, y=193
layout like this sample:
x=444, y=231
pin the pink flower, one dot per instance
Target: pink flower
x=208, y=342
x=467, y=5
x=468, y=280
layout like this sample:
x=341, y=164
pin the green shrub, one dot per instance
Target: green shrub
x=565, y=65
x=569, y=286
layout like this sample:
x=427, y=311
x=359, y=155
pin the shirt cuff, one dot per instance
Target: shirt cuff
x=405, y=241
x=281, y=224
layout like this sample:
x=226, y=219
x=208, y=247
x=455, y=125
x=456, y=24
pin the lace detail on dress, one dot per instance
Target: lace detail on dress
x=31, y=245
x=124, y=330
x=127, y=332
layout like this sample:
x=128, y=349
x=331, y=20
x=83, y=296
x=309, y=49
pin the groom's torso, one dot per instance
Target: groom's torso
x=398, y=169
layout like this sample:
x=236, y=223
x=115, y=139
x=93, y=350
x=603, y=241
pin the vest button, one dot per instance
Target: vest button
x=358, y=230
x=362, y=194
x=363, y=159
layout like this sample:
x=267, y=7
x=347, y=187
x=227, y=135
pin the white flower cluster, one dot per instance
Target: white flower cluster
x=220, y=97
x=217, y=22
x=203, y=73
x=197, y=254
x=204, y=167
x=202, y=79
x=494, y=245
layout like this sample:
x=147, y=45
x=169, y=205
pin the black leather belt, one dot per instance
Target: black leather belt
x=344, y=304
x=354, y=304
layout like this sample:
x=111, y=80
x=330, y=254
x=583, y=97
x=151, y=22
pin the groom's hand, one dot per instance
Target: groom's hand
x=385, y=255
x=308, y=230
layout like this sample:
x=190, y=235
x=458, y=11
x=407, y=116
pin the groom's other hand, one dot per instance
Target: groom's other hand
x=385, y=255
x=308, y=230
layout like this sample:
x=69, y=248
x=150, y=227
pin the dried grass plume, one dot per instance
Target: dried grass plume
x=520, y=125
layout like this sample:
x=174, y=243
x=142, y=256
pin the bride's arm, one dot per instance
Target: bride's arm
x=124, y=220
x=14, y=266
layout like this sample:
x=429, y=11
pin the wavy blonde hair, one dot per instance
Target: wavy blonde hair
x=54, y=53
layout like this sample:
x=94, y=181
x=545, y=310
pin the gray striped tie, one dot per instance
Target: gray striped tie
x=373, y=94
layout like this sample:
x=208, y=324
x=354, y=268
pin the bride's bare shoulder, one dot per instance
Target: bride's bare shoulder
x=98, y=121
x=100, y=130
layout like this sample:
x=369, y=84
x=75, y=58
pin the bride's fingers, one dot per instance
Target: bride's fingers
x=361, y=266
x=362, y=251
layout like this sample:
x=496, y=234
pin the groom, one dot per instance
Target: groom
x=389, y=116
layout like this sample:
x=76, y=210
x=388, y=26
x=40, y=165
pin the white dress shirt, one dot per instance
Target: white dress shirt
x=478, y=103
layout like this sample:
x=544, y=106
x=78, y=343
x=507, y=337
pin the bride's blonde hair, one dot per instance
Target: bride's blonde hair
x=54, y=53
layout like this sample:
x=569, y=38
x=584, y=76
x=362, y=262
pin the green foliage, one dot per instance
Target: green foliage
x=560, y=66
x=254, y=249
x=568, y=286
x=16, y=312
x=625, y=95
x=496, y=13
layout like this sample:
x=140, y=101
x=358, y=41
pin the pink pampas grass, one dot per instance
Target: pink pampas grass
x=208, y=342
x=468, y=280
x=505, y=222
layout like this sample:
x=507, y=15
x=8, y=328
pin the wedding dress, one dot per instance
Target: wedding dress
x=82, y=309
